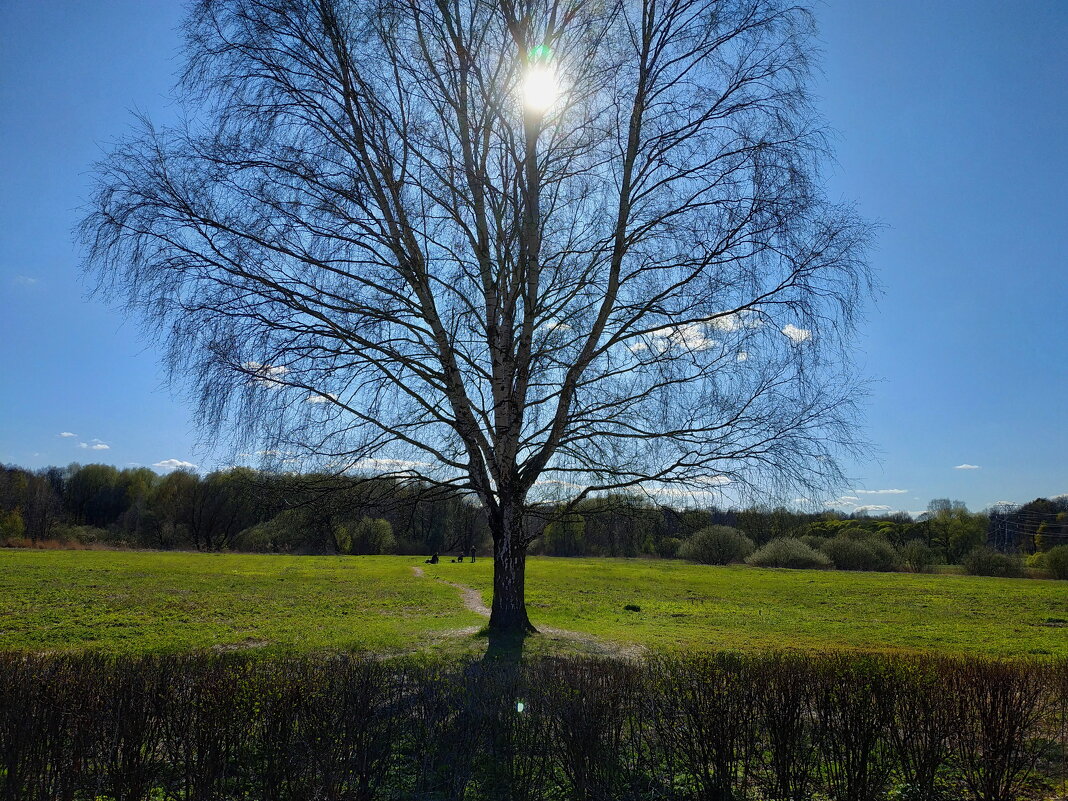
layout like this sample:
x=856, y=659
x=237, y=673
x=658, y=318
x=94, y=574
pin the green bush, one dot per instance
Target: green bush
x=372, y=536
x=668, y=547
x=868, y=554
x=919, y=557
x=788, y=552
x=985, y=561
x=1057, y=561
x=813, y=541
x=716, y=545
x=1036, y=561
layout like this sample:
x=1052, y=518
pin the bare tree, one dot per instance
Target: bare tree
x=520, y=247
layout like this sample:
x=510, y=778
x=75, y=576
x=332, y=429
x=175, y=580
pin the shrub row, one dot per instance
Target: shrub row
x=718, y=726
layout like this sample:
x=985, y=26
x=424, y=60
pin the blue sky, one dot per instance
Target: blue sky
x=950, y=121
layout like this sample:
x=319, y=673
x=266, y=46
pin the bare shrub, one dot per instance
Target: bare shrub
x=925, y=720
x=854, y=704
x=789, y=756
x=705, y=723
x=1001, y=709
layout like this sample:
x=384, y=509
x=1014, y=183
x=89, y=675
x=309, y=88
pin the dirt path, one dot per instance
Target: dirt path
x=472, y=600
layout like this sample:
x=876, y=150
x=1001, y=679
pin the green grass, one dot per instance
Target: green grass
x=685, y=607
x=153, y=602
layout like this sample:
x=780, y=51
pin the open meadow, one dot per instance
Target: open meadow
x=151, y=602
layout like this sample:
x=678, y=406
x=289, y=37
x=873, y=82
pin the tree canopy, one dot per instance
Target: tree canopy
x=515, y=248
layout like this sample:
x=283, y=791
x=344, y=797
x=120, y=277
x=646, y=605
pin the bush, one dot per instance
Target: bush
x=985, y=561
x=709, y=726
x=372, y=536
x=918, y=556
x=850, y=554
x=1057, y=561
x=716, y=545
x=668, y=547
x=788, y=552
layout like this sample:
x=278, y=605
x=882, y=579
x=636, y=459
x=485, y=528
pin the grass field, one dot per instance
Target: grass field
x=687, y=606
x=152, y=602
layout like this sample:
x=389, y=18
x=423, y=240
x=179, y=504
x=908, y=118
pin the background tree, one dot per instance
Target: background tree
x=512, y=248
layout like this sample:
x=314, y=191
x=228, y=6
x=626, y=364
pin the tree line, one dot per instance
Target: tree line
x=241, y=509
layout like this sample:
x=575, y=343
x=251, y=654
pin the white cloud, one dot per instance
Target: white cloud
x=67, y=434
x=743, y=356
x=691, y=336
x=967, y=467
x=872, y=508
x=557, y=325
x=736, y=321
x=23, y=280
x=266, y=374
x=556, y=482
x=881, y=492
x=96, y=446
x=387, y=465
x=175, y=464
x=795, y=334
x=320, y=398
x=844, y=500
x=699, y=486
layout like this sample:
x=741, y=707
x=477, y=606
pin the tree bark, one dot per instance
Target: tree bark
x=508, y=615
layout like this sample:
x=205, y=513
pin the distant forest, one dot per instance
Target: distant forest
x=246, y=510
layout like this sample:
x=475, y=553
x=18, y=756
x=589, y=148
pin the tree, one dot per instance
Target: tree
x=219, y=507
x=956, y=529
x=520, y=248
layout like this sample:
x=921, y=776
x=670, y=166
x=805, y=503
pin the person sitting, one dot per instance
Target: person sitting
x=460, y=559
x=433, y=560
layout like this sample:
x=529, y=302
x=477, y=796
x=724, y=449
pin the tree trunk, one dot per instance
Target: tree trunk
x=508, y=616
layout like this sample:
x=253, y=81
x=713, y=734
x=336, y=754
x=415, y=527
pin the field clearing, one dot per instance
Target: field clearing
x=151, y=602
x=142, y=602
x=694, y=607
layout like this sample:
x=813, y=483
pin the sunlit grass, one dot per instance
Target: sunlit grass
x=150, y=602
x=684, y=606
x=153, y=602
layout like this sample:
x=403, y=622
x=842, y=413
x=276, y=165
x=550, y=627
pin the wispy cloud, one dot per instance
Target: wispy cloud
x=324, y=397
x=872, y=508
x=66, y=434
x=881, y=492
x=967, y=467
x=95, y=445
x=174, y=464
x=844, y=500
x=23, y=280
